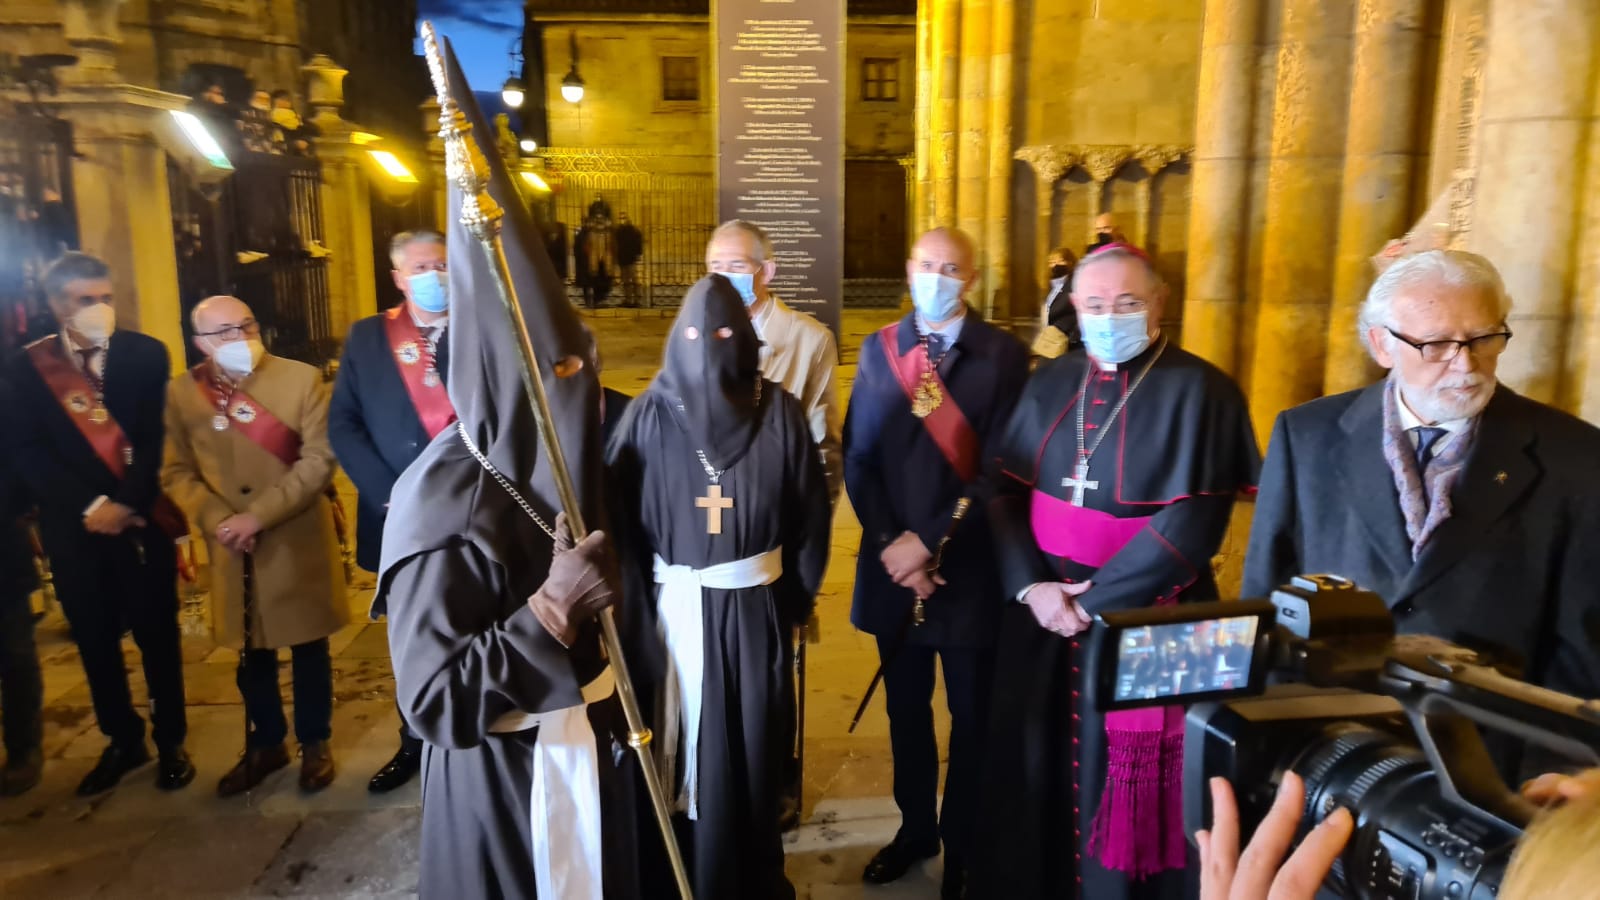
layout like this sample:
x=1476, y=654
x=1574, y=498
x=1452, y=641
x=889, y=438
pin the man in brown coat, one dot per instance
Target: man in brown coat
x=248, y=459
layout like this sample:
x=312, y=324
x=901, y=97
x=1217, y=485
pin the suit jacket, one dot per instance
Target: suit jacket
x=799, y=353
x=1516, y=569
x=62, y=471
x=374, y=428
x=17, y=574
x=299, y=577
x=898, y=481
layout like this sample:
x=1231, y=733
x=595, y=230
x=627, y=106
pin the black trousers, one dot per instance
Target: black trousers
x=908, y=693
x=21, y=685
x=313, y=694
x=112, y=585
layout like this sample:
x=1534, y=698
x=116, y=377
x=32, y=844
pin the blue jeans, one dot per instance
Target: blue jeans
x=313, y=695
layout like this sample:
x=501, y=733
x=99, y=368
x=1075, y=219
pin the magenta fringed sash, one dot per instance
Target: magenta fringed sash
x=1138, y=828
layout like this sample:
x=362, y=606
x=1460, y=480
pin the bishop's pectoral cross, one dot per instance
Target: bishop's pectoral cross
x=714, y=503
x=1079, y=482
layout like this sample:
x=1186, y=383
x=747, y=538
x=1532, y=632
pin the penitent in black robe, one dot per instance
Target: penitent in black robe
x=734, y=849
x=1176, y=457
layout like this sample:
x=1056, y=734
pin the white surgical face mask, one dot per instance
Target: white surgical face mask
x=1114, y=337
x=745, y=284
x=240, y=358
x=936, y=296
x=430, y=291
x=95, y=322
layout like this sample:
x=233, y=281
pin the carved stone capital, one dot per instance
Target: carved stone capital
x=1155, y=157
x=1049, y=161
x=1102, y=161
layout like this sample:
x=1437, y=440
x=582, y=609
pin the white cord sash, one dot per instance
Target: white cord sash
x=564, y=806
x=682, y=617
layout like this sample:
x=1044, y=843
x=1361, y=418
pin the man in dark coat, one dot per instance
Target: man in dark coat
x=88, y=436
x=388, y=402
x=630, y=247
x=498, y=663
x=926, y=580
x=21, y=684
x=1119, y=471
x=1471, y=510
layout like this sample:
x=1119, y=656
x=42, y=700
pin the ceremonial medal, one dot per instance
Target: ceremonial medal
x=927, y=397
x=78, y=402
x=430, y=379
x=244, y=413
x=219, y=422
x=408, y=353
x=99, y=416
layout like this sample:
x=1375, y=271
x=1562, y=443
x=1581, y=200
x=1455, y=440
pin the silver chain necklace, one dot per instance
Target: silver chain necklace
x=1083, y=396
x=472, y=448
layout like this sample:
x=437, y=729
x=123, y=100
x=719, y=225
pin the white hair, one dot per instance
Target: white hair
x=1446, y=268
x=397, y=246
x=764, y=250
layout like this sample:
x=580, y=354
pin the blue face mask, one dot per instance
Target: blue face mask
x=744, y=283
x=936, y=296
x=430, y=291
x=1114, y=338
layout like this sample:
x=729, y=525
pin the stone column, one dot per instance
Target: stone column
x=1219, y=207
x=997, y=218
x=90, y=28
x=918, y=213
x=346, y=199
x=1583, y=393
x=946, y=108
x=1102, y=164
x=1380, y=154
x=1154, y=159
x=436, y=181
x=1537, y=112
x=972, y=159
x=908, y=169
x=1049, y=165
x=1302, y=206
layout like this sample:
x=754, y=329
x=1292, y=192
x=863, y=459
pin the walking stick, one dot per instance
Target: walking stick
x=248, y=601
x=466, y=165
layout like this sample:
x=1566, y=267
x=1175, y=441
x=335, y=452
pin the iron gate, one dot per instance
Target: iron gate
x=38, y=219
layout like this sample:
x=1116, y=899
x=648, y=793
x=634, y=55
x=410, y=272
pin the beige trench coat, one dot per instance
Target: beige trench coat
x=799, y=353
x=299, y=576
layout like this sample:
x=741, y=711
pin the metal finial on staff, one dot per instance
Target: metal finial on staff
x=466, y=165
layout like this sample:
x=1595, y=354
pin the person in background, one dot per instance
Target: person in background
x=1105, y=232
x=1058, y=320
x=248, y=459
x=630, y=247
x=389, y=401
x=21, y=683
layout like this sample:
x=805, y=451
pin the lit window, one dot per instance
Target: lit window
x=680, y=78
x=880, y=79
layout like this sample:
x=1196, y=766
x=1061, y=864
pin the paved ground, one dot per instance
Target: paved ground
x=136, y=842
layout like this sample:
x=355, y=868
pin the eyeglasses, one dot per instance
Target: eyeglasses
x=247, y=328
x=1121, y=308
x=1445, y=351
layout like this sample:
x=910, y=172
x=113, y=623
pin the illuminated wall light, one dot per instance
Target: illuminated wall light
x=362, y=138
x=529, y=145
x=535, y=182
x=201, y=139
x=392, y=165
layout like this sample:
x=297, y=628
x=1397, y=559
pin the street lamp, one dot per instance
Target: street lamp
x=572, y=85
x=514, y=92
x=528, y=145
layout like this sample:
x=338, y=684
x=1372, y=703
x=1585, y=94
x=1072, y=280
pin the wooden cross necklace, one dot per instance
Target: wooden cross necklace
x=1079, y=482
x=714, y=502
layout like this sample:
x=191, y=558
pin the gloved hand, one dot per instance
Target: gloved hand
x=581, y=583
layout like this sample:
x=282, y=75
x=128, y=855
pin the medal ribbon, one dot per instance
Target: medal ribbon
x=946, y=424
x=431, y=402
x=73, y=390
x=248, y=417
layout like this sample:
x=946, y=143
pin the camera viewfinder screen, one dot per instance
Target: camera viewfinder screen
x=1185, y=658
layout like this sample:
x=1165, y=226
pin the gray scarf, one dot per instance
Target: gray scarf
x=1424, y=495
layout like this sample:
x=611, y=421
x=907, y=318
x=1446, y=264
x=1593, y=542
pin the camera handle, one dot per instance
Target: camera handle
x=1445, y=691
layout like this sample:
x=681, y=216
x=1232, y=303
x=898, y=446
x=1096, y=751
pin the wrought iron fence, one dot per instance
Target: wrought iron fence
x=38, y=221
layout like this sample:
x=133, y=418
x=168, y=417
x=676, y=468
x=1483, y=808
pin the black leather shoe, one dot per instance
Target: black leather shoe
x=954, y=885
x=175, y=769
x=114, y=763
x=399, y=770
x=22, y=773
x=896, y=859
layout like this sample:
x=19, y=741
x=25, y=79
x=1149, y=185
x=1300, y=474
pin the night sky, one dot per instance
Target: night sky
x=482, y=32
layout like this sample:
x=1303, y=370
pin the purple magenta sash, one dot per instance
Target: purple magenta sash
x=1085, y=536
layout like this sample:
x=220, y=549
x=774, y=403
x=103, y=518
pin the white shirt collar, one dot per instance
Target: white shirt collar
x=1410, y=420
x=951, y=329
x=440, y=322
x=74, y=348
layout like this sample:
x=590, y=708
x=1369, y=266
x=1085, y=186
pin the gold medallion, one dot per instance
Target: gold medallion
x=99, y=416
x=430, y=379
x=927, y=397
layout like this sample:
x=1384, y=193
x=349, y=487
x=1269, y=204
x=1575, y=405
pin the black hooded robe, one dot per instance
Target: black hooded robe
x=1178, y=454
x=734, y=849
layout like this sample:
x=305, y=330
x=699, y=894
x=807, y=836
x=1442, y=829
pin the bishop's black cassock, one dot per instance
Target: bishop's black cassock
x=1160, y=488
x=745, y=573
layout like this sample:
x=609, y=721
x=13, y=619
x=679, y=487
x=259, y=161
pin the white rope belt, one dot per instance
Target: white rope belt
x=682, y=617
x=564, y=806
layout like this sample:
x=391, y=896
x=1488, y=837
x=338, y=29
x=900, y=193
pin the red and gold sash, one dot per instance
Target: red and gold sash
x=248, y=417
x=946, y=424
x=428, y=397
x=110, y=443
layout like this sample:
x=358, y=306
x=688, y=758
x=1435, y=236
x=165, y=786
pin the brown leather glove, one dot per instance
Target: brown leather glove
x=581, y=583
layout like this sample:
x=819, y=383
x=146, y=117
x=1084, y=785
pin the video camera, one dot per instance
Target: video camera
x=1385, y=726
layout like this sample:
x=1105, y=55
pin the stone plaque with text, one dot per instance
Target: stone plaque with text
x=780, y=139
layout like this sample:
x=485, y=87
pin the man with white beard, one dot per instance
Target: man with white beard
x=1473, y=511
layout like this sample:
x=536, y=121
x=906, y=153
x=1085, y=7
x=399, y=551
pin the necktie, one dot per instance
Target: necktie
x=935, y=344
x=1427, y=436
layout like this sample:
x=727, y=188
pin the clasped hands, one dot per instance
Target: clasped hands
x=1056, y=608
x=112, y=518
x=238, y=532
x=906, y=560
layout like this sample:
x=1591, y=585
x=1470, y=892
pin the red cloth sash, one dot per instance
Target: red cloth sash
x=406, y=343
x=106, y=438
x=947, y=425
x=1138, y=828
x=251, y=419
